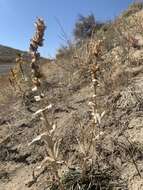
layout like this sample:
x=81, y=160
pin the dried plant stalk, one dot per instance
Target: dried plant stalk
x=36, y=41
x=17, y=73
x=52, y=147
x=20, y=61
x=94, y=51
x=14, y=80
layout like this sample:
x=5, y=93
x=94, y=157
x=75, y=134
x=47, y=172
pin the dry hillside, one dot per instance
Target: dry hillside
x=98, y=140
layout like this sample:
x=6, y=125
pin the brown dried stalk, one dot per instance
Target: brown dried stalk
x=13, y=79
x=36, y=41
x=20, y=61
x=11, y=82
x=94, y=49
x=87, y=142
x=16, y=73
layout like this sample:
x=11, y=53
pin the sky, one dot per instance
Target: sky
x=17, y=19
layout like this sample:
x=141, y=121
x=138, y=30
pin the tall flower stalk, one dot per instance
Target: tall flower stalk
x=94, y=54
x=35, y=42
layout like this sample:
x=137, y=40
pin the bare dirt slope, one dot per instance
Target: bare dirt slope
x=124, y=118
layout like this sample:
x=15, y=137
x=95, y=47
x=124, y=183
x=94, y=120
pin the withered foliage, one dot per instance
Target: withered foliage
x=35, y=42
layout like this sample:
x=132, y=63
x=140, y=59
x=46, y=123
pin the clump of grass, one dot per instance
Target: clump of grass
x=95, y=179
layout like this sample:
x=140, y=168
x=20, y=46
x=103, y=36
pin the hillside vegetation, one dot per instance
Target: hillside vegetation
x=78, y=123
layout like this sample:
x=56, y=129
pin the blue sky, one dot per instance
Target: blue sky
x=17, y=18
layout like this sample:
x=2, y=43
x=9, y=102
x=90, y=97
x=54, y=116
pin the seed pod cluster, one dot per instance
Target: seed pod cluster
x=94, y=53
x=35, y=42
x=94, y=48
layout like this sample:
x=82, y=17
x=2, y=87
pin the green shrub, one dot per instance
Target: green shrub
x=84, y=27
